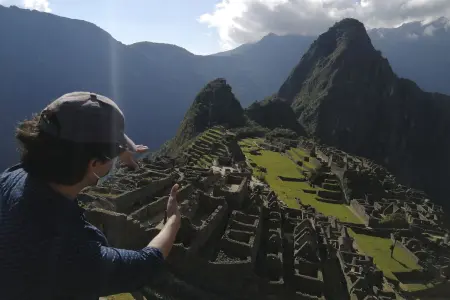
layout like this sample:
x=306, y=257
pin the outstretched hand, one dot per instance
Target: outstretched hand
x=172, y=203
x=127, y=157
x=166, y=237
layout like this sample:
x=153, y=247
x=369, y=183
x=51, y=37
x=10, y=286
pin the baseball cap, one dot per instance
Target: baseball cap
x=85, y=117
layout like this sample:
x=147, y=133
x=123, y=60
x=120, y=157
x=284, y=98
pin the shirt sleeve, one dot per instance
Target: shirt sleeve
x=94, y=270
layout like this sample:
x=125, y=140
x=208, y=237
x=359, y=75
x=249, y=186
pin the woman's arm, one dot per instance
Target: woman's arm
x=86, y=268
x=166, y=237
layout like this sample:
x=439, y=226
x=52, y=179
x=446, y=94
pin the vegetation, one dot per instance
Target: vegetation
x=104, y=195
x=379, y=249
x=210, y=136
x=250, y=131
x=395, y=220
x=277, y=164
x=267, y=114
x=261, y=177
x=214, y=105
x=120, y=297
x=300, y=154
x=325, y=90
x=283, y=133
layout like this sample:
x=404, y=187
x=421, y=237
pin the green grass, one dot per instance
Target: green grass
x=209, y=137
x=414, y=287
x=201, y=162
x=278, y=164
x=120, y=297
x=214, y=133
x=104, y=195
x=378, y=248
x=300, y=154
x=250, y=142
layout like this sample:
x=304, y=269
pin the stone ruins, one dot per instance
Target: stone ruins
x=239, y=241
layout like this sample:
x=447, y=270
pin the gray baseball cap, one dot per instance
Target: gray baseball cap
x=84, y=117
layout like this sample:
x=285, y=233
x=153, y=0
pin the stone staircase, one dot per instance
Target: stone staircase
x=207, y=147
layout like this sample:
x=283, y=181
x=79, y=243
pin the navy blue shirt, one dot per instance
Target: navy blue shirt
x=49, y=251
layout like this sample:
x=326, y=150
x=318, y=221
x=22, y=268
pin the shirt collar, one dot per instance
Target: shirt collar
x=51, y=200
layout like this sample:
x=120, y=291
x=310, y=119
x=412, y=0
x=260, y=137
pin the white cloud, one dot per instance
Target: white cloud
x=242, y=21
x=42, y=5
x=429, y=30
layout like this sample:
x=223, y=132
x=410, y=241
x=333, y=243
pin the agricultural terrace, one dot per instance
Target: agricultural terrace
x=277, y=164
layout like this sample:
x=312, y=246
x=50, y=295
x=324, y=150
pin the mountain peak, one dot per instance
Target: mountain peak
x=349, y=23
x=441, y=22
x=214, y=105
x=348, y=31
x=270, y=35
x=344, y=44
x=345, y=94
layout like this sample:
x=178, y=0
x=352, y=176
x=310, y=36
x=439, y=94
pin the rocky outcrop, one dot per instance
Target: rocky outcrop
x=214, y=105
x=345, y=93
x=274, y=112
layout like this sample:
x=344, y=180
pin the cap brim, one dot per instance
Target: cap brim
x=131, y=146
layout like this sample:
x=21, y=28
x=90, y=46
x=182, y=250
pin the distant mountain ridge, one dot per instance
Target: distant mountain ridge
x=416, y=50
x=43, y=56
x=345, y=93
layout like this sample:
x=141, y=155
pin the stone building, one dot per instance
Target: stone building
x=239, y=241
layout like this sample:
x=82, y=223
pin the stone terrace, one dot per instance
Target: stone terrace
x=209, y=148
x=239, y=241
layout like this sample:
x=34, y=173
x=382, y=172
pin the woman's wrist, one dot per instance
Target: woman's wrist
x=174, y=220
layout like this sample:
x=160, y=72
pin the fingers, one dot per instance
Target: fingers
x=141, y=148
x=133, y=164
x=127, y=158
x=174, y=191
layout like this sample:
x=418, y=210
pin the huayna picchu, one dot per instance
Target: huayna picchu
x=345, y=94
x=294, y=197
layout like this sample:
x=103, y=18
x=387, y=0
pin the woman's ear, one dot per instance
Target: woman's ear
x=93, y=163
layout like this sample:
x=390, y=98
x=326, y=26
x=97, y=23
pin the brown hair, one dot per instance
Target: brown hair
x=56, y=160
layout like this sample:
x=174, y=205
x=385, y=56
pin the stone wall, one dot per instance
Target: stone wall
x=309, y=285
x=120, y=230
x=360, y=210
x=184, y=192
x=236, y=198
x=408, y=252
x=233, y=179
x=234, y=248
x=92, y=201
x=291, y=179
x=126, y=201
x=208, y=180
x=246, y=174
x=330, y=195
x=242, y=236
x=228, y=279
x=378, y=232
x=211, y=224
x=149, y=210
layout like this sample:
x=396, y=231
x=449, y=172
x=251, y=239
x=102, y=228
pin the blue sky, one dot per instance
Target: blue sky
x=211, y=26
x=165, y=21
